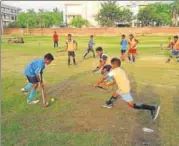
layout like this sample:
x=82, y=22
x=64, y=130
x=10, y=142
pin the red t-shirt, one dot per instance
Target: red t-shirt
x=55, y=37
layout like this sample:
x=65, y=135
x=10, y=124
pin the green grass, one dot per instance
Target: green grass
x=152, y=81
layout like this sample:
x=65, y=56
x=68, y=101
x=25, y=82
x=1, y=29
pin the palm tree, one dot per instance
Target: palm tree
x=175, y=12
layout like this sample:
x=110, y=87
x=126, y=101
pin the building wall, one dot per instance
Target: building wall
x=8, y=14
x=86, y=9
x=93, y=31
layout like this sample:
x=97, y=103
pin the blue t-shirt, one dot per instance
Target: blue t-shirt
x=91, y=43
x=124, y=45
x=35, y=67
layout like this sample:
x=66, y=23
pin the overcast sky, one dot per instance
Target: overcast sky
x=49, y=5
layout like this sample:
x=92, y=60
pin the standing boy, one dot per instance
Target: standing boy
x=103, y=59
x=123, y=47
x=123, y=84
x=33, y=72
x=175, y=50
x=71, y=47
x=90, y=47
x=132, y=48
x=55, y=39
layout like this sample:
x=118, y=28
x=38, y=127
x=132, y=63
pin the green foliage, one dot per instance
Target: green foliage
x=155, y=14
x=175, y=12
x=32, y=19
x=110, y=12
x=79, y=22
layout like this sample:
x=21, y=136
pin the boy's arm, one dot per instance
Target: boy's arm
x=100, y=81
x=66, y=46
x=76, y=45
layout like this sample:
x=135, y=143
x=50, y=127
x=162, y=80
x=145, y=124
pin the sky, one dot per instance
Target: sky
x=48, y=5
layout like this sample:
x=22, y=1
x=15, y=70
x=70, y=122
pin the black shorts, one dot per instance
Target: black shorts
x=32, y=80
x=123, y=51
x=71, y=53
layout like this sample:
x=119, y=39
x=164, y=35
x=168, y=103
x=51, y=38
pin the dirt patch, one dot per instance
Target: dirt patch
x=121, y=122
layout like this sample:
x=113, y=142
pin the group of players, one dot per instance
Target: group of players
x=112, y=73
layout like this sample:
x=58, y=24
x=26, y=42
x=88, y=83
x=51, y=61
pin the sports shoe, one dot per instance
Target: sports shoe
x=107, y=105
x=155, y=113
x=33, y=101
x=24, y=91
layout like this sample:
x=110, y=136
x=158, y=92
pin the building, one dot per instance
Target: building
x=8, y=14
x=86, y=9
x=89, y=9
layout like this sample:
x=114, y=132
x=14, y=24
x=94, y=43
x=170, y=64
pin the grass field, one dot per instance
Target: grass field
x=76, y=118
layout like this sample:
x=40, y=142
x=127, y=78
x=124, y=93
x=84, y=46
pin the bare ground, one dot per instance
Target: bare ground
x=121, y=122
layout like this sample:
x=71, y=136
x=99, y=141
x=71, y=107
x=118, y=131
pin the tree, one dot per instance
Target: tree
x=78, y=22
x=110, y=13
x=40, y=19
x=155, y=14
x=175, y=12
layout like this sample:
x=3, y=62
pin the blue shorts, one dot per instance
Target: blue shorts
x=32, y=80
x=126, y=96
x=175, y=52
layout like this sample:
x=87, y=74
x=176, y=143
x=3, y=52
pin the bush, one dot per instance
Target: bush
x=79, y=22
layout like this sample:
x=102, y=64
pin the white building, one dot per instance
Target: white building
x=89, y=9
x=86, y=9
x=8, y=14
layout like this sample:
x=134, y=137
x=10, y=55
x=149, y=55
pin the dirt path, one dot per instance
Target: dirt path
x=121, y=122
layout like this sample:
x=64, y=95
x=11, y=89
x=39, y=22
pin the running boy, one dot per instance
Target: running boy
x=71, y=47
x=175, y=50
x=132, y=48
x=123, y=47
x=170, y=43
x=122, y=81
x=90, y=47
x=33, y=72
x=103, y=59
x=55, y=40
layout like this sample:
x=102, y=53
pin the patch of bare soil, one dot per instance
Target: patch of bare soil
x=123, y=123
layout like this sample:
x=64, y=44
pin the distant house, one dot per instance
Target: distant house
x=8, y=14
x=86, y=9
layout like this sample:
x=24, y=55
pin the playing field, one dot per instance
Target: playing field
x=77, y=118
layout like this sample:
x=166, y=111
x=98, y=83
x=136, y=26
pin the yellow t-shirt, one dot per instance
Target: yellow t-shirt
x=121, y=80
x=176, y=45
x=71, y=45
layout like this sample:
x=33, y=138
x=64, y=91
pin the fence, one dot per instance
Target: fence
x=90, y=31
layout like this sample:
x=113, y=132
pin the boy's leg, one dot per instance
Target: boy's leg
x=86, y=53
x=57, y=44
x=93, y=53
x=133, y=57
x=28, y=87
x=33, y=92
x=54, y=44
x=68, y=58
x=129, y=57
x=74, y=60
x=110, y=102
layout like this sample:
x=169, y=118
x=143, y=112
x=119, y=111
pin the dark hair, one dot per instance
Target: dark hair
x=123, y=36
x=116, y=60
x=91, y=36
x=131, y=35
x=99, y=49
x=175, y=37
x=49, y=56
x=69, y=34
